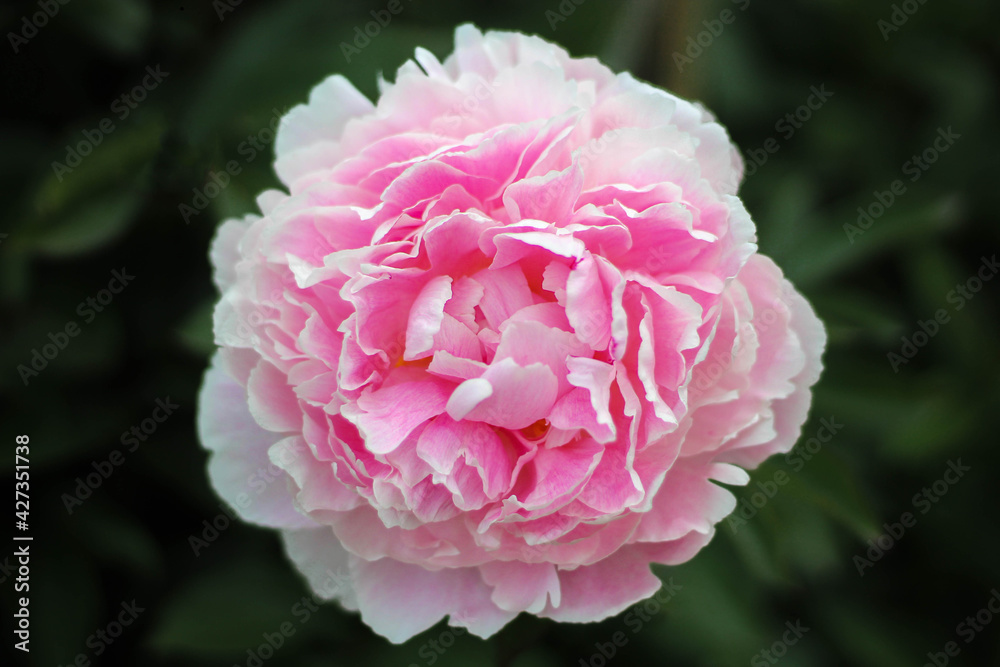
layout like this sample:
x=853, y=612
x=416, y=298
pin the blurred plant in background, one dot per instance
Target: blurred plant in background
x=132, y=128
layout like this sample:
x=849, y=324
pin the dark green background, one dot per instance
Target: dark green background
x=793, y=560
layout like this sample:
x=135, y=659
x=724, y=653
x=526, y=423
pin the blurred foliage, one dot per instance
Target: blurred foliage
x=231, y=64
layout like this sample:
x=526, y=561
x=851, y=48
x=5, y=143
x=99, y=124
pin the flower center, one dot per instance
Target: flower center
x=536, y=430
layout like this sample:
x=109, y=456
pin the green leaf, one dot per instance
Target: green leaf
x=806, y=539
x=714, y=595
x=868, y=637
x=195, y=332
x=827, y=481
x=226, y=610
x=118, y=539
x=90, y=226
x=245, y=83
x=859, y=317
x=121, y=159
x=939, y=424
x=827, y=251
x=66, y=608
x=118, y=26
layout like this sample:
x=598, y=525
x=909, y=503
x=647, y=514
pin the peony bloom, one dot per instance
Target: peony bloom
x=495, y=346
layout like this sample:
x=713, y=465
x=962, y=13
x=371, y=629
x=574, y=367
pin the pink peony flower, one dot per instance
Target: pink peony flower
x=495, y=346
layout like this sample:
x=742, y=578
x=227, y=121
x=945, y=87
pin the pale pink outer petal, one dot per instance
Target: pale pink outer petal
x=239, y=452
x=686, y=501
x=225, y=253
x=324, y=563
x=604, y=589
x=331, y=104
x=521, y=586
x=272, y=402
x=790, y=412
x=398, y=600
x=319, y=488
